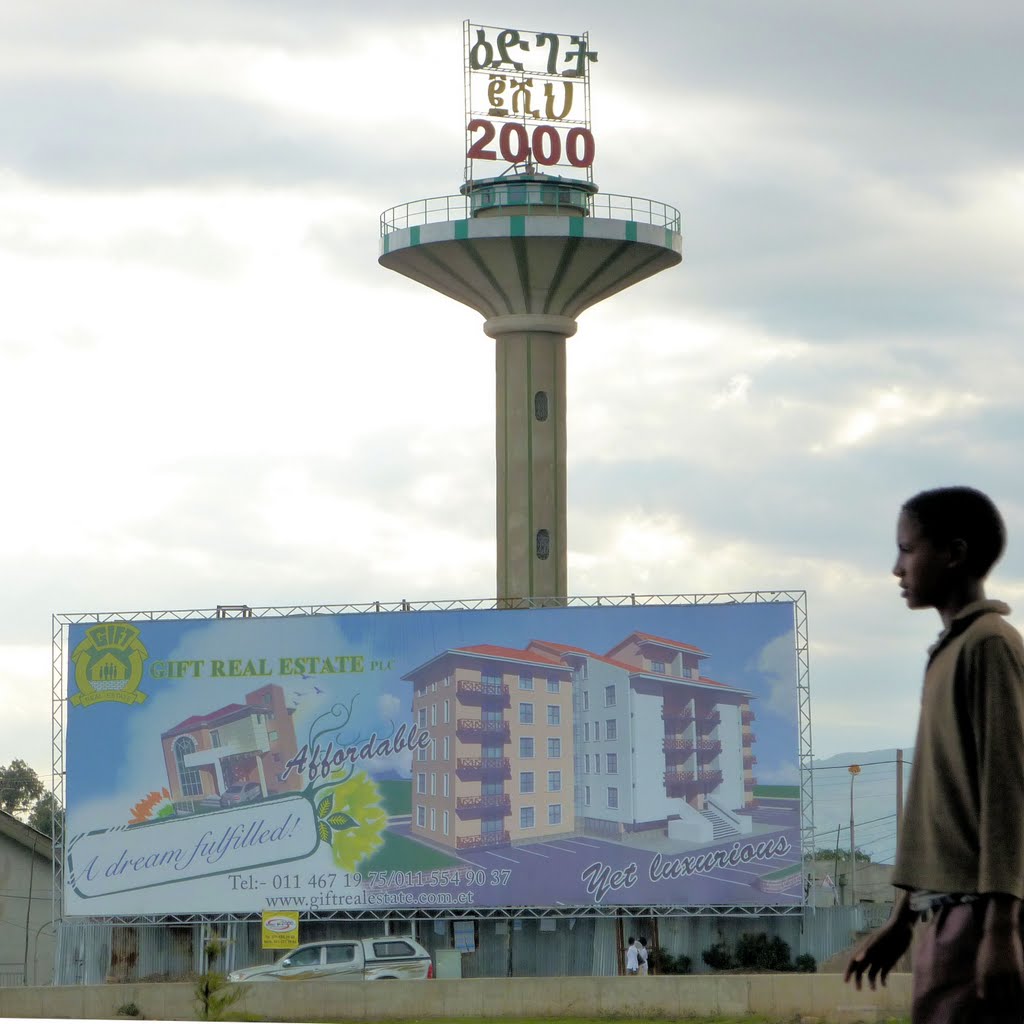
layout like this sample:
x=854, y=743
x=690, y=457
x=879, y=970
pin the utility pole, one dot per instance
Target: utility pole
x=854, y=772
x=835, y=875
x=899, y=796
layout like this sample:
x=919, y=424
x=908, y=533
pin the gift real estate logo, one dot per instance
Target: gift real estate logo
x=109, y=665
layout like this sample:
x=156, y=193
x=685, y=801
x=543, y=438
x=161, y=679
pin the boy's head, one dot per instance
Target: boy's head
x=945, y=537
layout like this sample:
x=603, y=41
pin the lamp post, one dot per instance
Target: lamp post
x=854, y=772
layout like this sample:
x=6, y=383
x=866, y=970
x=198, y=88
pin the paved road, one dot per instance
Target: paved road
x=552, y=873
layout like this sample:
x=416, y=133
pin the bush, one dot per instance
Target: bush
x=758, y=952
x=661, y=961
x=718, y=957
x=806, y=963
x=128, y=1010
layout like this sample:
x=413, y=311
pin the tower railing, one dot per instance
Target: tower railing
x=604, y=205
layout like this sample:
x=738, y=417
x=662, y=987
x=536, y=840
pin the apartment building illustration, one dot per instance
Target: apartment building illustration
x=499, y=768
x=236, y=744
x=553, y=738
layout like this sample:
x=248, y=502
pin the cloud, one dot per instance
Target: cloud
x=214, y=394
x=776, y=661
x=388, y=706
x=781, y=773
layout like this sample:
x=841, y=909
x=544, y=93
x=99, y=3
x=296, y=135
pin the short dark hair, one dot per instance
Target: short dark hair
x=946, y=514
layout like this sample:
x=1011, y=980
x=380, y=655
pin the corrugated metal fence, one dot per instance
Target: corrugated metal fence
x=517, y=947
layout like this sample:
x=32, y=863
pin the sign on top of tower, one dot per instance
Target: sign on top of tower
x=527, y=102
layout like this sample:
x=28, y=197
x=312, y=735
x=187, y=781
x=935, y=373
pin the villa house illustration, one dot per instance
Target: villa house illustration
x=237, y=743
x=552, y=739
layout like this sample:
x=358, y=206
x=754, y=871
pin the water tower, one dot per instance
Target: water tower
x=529, y=248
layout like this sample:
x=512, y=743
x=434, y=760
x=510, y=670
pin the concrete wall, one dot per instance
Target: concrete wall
x=822, y=996
x=18, y=864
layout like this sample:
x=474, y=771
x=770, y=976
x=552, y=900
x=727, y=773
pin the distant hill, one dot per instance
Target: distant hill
x=874, y=800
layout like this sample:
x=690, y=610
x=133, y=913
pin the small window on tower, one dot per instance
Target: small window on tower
x=540, y=405
x=543, y=544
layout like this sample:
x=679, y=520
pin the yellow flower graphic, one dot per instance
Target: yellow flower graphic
x=351, y=819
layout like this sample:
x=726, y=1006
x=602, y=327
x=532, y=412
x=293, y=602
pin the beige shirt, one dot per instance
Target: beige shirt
x=963, y=824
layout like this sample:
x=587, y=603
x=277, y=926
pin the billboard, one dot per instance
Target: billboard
x=527, y=98
x=577, y=756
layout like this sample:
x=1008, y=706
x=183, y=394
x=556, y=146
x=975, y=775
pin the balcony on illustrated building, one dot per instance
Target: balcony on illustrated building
x=478, y=730
x=749, y=760
x=676, y=747
x=749, y=738
x=707, y=749
x=692, y=782
x=483, y=806
x=709, y=721
x=746, y=716
x=482, y=841
x=483, y=768
x=750, y=782
x=678, y=720
x=473, y=691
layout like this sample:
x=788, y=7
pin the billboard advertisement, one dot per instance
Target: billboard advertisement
x=579, y=756
x=527, y=101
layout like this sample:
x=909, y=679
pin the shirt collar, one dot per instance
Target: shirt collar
x=965, y=617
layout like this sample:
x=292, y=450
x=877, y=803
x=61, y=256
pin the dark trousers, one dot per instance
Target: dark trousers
x=944, y=958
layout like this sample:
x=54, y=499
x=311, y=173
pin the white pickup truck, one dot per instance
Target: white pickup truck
x=389, y=957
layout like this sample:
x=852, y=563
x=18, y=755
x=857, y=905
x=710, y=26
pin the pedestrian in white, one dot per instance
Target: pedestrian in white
x=632, y=958
x=642, y=955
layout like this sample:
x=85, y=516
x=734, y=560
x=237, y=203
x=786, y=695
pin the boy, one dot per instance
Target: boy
x=960, y=860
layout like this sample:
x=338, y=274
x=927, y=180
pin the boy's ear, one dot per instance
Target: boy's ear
x=957, y=553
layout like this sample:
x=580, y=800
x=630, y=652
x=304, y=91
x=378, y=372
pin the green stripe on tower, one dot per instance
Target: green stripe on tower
x=414, y=236
x=630, y=230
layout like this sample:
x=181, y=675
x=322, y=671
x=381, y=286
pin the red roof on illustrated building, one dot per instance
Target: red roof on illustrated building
x=649, y=638
x=570, y=649
x=512, y=653
x=714, y=682
x=633, y=669
x=200, y=721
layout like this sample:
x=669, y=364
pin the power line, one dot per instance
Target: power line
x=846, y=767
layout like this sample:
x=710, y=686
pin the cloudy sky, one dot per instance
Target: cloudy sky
x=212, y=393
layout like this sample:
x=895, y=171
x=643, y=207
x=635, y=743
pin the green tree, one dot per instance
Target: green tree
x=43, y=813
x=20, y=787
x=215, y=995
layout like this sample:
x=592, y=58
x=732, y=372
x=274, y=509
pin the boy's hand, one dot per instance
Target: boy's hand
x=878, y=953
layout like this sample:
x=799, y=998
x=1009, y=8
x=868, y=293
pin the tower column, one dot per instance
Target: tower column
x=530, y=252
x=530, y=442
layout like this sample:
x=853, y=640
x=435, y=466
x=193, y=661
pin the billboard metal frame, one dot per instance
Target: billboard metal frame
x=798, y=598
